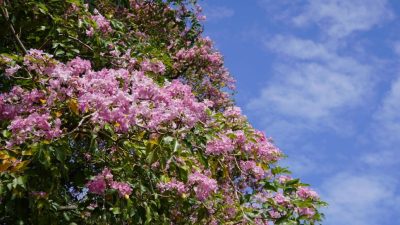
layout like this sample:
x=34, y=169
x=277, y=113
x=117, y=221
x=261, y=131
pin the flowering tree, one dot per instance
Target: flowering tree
x=121, y=112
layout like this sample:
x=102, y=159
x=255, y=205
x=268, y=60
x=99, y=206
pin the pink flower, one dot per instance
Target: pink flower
x=107, y=175
x=240, y=137
x=105, y=180
x=306, y=193
x=171, y=186
x=308, y=212
x=97, y=186
x=90, y=32
x=263, y=147
x=34, y=127
x=153, y=66
x=274, y=214
x=39, y=61
x=102, y=23
x=234, y=112
x=203, y=185
x=251, y=166
x=284, y=179
x=280, y=199
x=123, y=189
x=221, y=145
x=79, y=66
x=12, y=70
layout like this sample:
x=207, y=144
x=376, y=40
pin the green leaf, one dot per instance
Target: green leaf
x=6, y=133
x=270, y=186
x=148, y=214
x=176, y=145
x=59, y=52
x=116, y=210
x=60, y=154
x=292, y=182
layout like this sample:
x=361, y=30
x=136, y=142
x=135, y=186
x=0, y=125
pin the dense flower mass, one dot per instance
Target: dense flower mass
x=120, y=112
x=203, y=185
x=136, y=101
x=219, y=146
x=33, y=127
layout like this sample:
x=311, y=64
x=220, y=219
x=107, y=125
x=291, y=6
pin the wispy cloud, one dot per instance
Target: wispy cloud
x=214, y=13
x=336, y=18
x=387, y=118
x=357, y=199
x=385, y=130
x=312, y=82
x=339, y=18
x=388, y=157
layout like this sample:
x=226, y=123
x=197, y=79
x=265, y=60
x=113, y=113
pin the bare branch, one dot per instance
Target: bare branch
x=81, y=42
x=4, y=13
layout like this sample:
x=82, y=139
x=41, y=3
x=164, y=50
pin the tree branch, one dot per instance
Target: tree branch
x=67, y=207
x=81, y=42
x=4, y=13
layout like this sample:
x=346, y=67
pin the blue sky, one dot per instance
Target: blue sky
x=322, y=78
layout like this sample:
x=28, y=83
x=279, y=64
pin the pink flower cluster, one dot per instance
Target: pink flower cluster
x=284, y=178
x=173, y=185
x=260, y=146
x=274, y=214
x=12, y=70
x=307, y=193
x=203, y=53
x=97, y=185
x=105, y=179
x=219, y=146
x=280, y=199
x=78, y=66
x=152, y=66
x=119, y=97
x=208, y=62
x=34, y=127
x=251, y=167
x=308, y=212
x=263, y=147
x=123, y=189
x=203, y=185
x=139, y=101
x=38, y=61
x=233, y=112
x=19, y=101
x=102, y=23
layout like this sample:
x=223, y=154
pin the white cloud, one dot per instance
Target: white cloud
x=396, y=47
x=214, y=13
x=360, y=199
x=381, y=158
x=298, y=48
x=339, y=18
x=312, y=83
x=387, y=118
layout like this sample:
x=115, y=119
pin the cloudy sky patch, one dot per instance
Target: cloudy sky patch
x=322, y=78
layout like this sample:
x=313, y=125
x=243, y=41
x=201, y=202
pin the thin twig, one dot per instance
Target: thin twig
x=79, y=125
x=4, y=13
x=22, y=78
x=67, y=207
x=81, y=42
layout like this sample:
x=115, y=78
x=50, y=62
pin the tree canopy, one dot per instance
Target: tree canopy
x=122, y=112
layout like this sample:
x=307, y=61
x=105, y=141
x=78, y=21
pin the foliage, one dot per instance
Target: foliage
x=120, y=112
